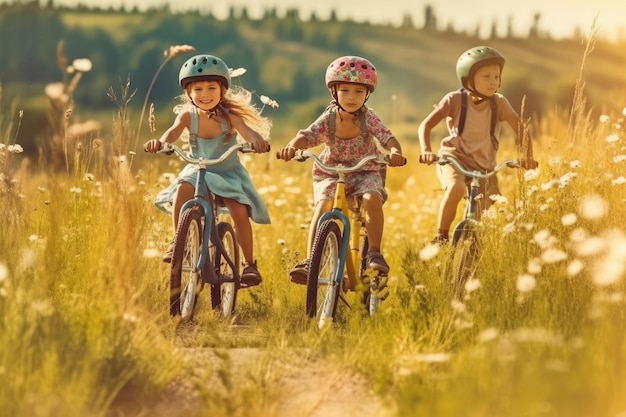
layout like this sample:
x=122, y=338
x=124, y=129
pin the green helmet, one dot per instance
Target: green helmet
x=474, y=58
x=204, y=68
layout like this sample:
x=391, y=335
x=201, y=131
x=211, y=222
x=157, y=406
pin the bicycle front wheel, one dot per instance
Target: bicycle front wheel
x=224, y=291
x=464, y=260
x=185, y=280
x=322, y=289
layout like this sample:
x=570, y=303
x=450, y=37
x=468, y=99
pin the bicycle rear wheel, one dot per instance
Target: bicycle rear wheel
x=185, y=280
x=464, y=259
x=224, y=291
x=322, y=290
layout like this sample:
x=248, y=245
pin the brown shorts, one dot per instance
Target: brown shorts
x=448, y=176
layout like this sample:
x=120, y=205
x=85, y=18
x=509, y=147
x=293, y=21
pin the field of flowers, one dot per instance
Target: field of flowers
x=84, y=324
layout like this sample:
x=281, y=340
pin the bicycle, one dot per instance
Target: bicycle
x=465, y=238
x=205, y=247
x=340, y=244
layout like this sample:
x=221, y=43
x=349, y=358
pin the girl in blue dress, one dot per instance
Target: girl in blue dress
x=214, y=113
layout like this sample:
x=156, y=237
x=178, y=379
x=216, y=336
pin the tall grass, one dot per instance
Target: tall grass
x=85, y=331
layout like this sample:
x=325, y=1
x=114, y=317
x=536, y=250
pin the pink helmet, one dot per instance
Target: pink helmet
x=351, y=69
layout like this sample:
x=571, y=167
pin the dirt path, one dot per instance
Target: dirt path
x=310, y=388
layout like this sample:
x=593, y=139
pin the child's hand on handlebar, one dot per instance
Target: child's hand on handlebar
x=152, y=146
x=396, y=159
x=286, y=153
x=428, y=158
x=260, y=146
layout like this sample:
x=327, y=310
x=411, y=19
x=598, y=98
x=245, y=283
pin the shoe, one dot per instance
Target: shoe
x=300, y=272
x=250, y=275
x=169, y=253
x=376, y=261
x=439, y=240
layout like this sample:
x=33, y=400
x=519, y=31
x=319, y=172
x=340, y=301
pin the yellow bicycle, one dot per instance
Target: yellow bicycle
x=337, y=263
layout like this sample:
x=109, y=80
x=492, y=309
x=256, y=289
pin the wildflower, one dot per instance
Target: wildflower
x=237, y=72
x=129, y=317
x=614, y=137
x=15, y=148
x=269, y=102
x=553, y=255
x=89, y=177
x=574, y=164
x=619, y=158
x=75, y=190
x=151, y=253
x=429, y=252
x=593, y=207
x=575, y=267
x=175, y=50
x=624, y=111
x=281, y=242
x=54, y=91
x=604, y=118
x=472, y=285
x=569, y=219
x=526, y=283
x=499, y=199
x=82, y=64
x=565, y=179
x=33, y=238
x=618, y=181
x=544, y=239
x=488, y=335
x=531, y=174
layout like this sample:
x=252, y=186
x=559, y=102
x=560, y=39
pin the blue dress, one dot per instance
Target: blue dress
x=230, y=179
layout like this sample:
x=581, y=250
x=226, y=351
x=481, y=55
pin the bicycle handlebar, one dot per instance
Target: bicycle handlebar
x=449, y=159
x=169, y=148
x=302, y=155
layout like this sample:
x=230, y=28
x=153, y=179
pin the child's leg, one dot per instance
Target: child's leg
x=321, y=207
x=184, y=193
x=243, y=228
x=374, y=219
x=452, y=196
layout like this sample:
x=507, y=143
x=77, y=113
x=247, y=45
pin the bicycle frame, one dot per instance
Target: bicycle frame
x=470, y=216
x=203, y=196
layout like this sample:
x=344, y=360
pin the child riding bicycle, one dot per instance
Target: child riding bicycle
x=472, y=116
x=348, y=129
x=214, y=112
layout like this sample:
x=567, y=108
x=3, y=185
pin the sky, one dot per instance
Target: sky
x=559, y=18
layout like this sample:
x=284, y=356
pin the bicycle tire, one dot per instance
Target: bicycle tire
x=322, y=292
x=224, y=290
x=185, y=282
x=464, y=260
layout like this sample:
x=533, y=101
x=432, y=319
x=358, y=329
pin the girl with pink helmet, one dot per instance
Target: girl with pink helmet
x=349, y=131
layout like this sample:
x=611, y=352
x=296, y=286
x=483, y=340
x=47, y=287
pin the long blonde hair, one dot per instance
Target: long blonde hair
x=236, y=100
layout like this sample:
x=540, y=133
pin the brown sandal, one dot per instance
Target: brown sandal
x=300, y=272
x=250, y=276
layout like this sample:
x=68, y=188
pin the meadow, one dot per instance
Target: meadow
x=84, y=324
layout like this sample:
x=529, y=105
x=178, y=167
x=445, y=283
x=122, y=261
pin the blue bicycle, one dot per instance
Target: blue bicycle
x=205, y=247
x=465, y=239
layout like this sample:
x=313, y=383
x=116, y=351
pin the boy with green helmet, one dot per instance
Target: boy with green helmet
x=472, y=115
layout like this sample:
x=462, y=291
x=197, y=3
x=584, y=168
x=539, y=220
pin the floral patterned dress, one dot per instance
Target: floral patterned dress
x=371, y=178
